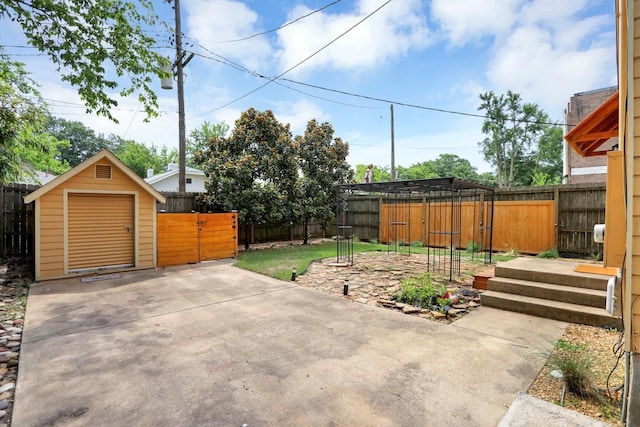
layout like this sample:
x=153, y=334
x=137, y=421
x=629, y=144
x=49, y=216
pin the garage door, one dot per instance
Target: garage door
x=100, y=231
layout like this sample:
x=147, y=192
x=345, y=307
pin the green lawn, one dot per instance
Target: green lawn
x=278, y=262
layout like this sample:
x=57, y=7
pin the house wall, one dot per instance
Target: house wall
x=171, y=184
x=50, y=221
x=631, y=305
x=587, y=169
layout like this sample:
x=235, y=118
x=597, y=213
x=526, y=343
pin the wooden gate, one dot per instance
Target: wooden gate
x=189, y=238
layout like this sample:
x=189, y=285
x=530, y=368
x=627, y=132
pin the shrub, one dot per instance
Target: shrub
x=416, y=244
x=576, y=364
x=420, y=291
x=551, y=253
x=472, y=247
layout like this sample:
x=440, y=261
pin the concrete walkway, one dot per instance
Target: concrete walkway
x=215, y=345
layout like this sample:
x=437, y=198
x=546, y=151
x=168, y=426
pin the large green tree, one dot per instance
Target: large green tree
x=24, y=146
x=99, y=47
x=253, y=171
x=323, y=164
x=84, y=142
x=140, y=157
x=512, y=128
x=198, y=139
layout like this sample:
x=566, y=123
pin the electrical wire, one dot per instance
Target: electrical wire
x=618, y=351
x=278, y=28
x=271, y=80
x=226, y=61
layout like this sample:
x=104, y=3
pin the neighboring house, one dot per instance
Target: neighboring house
x=168, y=181
x=98, y=216
x=39, y=178
x=588, y=166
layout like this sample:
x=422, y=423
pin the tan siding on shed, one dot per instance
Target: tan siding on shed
x=50, y=208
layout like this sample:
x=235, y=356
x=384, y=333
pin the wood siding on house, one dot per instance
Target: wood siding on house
x=635, y=226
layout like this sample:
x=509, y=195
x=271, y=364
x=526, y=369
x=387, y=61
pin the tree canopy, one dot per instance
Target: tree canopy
x=198, y=139
x=23, y=115
x=93, y=45
x=519, y=142
x=265, y=174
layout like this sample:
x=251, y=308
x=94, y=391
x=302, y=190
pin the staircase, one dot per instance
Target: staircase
x=551, y=289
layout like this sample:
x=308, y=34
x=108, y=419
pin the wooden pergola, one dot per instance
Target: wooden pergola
x=593, y=131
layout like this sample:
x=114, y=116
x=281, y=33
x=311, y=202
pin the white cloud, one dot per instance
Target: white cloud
x=531, y=62
x=212, y=21
x=390, y=33
x=298, y=114
x=468, y=21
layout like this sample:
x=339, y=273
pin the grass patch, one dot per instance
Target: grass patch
x=551, y=253
x=278, y=262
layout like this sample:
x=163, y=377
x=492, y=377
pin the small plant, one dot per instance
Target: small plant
x=472, y=247
x=373, y=241
x=596, y=256
x=576, y=363
x=550, y=253
x=512, y=251
x=416, y=244
x=421, y=291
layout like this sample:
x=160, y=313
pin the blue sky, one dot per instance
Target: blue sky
x=437, y=54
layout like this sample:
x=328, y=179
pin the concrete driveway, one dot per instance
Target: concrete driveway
x=215, y=345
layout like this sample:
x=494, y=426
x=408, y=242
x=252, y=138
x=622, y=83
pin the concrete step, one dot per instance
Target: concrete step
x=550, y=271
x=550, y=309
x=549, y=291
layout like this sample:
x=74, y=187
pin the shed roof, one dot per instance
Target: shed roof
x=595, y=129
x=104, y=154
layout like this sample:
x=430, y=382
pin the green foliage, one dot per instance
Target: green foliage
x=323, y=164
x=550, y=253
x=520, y=144
x=198, y=139
x=416, y=244
x=254, y=170
x=576, y=364
x=421, y=291
x=380, y=173
x=140, y=157
x=373, y=241
x=94, y=45
x=472, y=247
x=445, y=165
x=24, y=146
x=83, y=141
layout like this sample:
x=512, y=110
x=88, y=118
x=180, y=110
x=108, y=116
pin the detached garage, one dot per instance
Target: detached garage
x=98, y=216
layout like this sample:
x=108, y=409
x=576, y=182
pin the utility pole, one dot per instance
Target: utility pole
x=181, y=124
x=393, y=150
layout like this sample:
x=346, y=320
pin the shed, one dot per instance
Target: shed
x=98, y=216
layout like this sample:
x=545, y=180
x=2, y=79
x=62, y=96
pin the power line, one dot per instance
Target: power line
x=271, y=80
x=280, y=27
x=226, y=61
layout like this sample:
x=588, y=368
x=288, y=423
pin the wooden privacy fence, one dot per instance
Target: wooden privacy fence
x=189, y=238
x=16, y=221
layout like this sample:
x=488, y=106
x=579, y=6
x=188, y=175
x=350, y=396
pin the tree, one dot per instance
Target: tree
x=512, y=127
x=94, y=44
x=547, y=168
x=196, y=144
x=380, y=173
x=323, y=164
x=139, y=157
x=253, y=171
x=22, y=117
x=84, y=142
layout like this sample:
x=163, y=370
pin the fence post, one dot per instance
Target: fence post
x=556, y=202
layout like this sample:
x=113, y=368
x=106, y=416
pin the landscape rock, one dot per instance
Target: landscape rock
x=7, y=387
x=410, y=309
